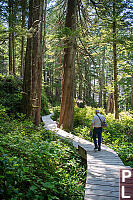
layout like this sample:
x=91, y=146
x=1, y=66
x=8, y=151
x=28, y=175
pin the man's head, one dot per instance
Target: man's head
x=97, y=111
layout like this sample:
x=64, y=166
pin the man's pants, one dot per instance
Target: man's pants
x=97, y=132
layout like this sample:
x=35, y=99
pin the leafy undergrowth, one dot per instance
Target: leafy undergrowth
x=118, y=135
x=36, y=164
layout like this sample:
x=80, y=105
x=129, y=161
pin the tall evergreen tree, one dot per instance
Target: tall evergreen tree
x=27, y=82
x=33, y=65
x=67, y=98
x=115, y=62
x=10, y=37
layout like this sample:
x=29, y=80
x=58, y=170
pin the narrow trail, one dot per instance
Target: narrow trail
x=102, y=182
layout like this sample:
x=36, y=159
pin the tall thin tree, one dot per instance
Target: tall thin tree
x=115, y=63
x=10, y=37
x=23, y=8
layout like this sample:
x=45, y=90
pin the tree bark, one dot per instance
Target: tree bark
x=94, y=88
x=110, y=104
x=10, y=38
x=101, y=90
x=44, y=39
x=27, y=87
x=104, y=82
x=13, y=52
x=115, y=64
x=37, y=61
x=87, y=84
x=89, y=99
x=23, y=7
x=14, y=8
x=80, y=78
x=67, y=98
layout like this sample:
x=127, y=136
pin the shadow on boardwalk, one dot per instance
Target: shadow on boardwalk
x=102, y=182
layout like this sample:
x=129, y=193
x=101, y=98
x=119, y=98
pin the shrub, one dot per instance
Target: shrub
x=44, y=104
x=10, y=93
x=56, y=111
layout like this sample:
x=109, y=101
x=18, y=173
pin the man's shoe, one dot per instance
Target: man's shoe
x=99, y=149
x=95, y=148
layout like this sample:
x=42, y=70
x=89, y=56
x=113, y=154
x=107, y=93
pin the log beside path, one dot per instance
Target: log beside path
x=102, y=181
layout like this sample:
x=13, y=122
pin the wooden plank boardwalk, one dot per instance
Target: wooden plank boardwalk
x=102, y=182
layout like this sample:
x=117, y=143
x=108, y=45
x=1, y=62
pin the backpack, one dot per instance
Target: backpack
x=103, y=123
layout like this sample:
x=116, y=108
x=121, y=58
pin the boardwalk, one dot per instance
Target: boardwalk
x=102, y=182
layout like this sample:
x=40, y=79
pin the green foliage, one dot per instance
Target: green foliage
x=118, y=134
x=83, y=116
x=10, y=93
x=44, y=104
x=56, y=111
x=36, y=164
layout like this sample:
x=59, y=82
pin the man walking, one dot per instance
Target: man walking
x=97, y=131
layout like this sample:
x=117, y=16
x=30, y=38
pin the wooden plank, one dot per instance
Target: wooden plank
x=82, y=152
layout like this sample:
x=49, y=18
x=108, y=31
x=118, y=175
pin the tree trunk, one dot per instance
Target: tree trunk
x=67, y=98
x=101, y=81
x=37, y=61
x=87, y=83
x=104, y=82
x=110, y=104
x=14, y=8
x=80, y=78
x=115, y=64
x=44, y=38
x=10, y=37
x=94, y=91
x=103, y=89
x=23, y=7
x=58, y=88
x=27, y=104
x=13, y=52
x=10, y=53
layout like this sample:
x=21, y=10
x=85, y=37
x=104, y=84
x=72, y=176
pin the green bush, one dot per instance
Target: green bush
x=10, y=93
x=56, y=112
x=44, y=104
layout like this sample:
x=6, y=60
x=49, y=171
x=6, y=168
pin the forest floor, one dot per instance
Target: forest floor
x=103, y=168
